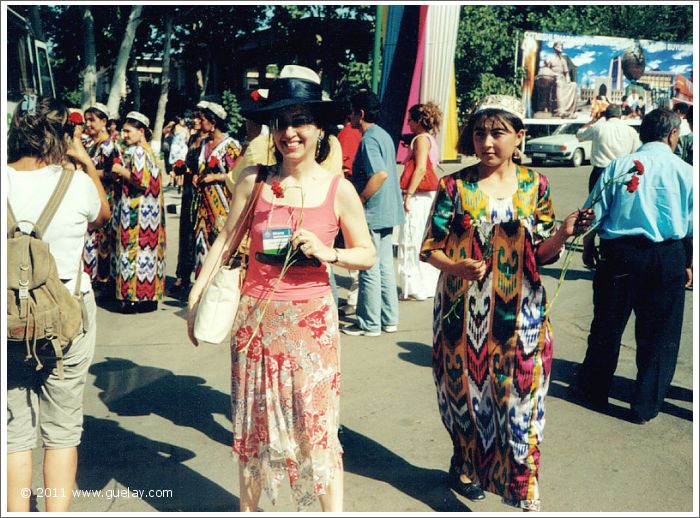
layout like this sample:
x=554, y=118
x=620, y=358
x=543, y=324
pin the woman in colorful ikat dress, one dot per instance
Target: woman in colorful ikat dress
x=141, y=245
x=99, y=255
x=492, y=225
x=211, y=199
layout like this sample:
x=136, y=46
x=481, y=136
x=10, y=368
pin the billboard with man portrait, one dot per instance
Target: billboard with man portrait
x=566, y=75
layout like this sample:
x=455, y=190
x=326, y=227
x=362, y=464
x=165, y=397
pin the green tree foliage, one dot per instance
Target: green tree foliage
x=234, y=120
x=355, y=75
x=342, y=59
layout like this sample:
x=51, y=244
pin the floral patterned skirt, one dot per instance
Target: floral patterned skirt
x=285, y=394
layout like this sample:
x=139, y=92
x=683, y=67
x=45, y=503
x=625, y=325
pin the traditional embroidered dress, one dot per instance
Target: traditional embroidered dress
x=141, y=247
x=492, y=352
x=99, y=254
x=210, y=203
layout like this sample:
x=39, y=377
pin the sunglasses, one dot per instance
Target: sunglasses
x=282, y=122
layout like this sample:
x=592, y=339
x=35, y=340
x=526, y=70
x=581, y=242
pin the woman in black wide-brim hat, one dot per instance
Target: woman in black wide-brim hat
x=285, y=346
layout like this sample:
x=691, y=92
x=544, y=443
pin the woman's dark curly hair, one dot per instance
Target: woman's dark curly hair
x=428, y=115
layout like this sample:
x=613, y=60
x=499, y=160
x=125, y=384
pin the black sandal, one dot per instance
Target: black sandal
x=470, y=490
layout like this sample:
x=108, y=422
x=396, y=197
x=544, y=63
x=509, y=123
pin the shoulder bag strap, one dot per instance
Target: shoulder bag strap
x=54, y=202
x=11, y=220
x=246, y=216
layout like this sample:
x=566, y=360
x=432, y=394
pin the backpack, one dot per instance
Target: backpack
x=40, y=309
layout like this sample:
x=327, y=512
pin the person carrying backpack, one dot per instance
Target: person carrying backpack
x=48, y=352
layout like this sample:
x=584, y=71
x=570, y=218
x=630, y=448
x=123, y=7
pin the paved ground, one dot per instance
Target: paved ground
x=158, y=415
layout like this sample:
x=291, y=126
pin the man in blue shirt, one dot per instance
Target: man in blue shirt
x=375, y=177
x=645, y=224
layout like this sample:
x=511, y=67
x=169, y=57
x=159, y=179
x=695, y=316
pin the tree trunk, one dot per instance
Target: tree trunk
x=207, y=71
x=135, y=87
x=164, y=86
x=119, y=75
x=36, y=23
x=90, y=71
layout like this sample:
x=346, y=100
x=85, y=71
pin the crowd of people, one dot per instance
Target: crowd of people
x=473, y=240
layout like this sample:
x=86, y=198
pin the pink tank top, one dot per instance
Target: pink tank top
x=432, y=154
x=300, y=282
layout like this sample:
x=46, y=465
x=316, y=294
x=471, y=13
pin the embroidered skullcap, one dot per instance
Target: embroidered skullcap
x=103, y=109
x=216, y=109
x=507, y=103
x=137, y=116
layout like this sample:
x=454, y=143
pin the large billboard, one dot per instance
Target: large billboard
x=565, y=74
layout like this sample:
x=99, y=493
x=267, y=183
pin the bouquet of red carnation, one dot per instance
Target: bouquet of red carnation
x=213, y=165
x=179, y=167
x=75, y=119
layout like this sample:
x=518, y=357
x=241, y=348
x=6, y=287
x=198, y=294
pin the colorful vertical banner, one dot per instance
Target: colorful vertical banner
x=438, y=68
x=417, y=67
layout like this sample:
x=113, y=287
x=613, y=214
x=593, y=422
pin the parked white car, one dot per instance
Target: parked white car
x=560, y=146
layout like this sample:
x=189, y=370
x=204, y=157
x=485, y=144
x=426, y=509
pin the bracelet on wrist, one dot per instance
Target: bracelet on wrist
x=337, y=257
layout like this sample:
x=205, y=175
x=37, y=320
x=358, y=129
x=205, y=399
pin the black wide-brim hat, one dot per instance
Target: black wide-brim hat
x=291, y=91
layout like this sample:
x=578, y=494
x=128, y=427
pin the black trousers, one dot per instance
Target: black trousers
x=635, y=274
x=185, y=253
x=593, y=178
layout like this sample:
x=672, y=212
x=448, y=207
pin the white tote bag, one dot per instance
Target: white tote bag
x=218, y=305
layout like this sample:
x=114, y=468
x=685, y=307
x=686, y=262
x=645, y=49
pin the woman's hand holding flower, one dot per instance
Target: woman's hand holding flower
x=77, y=151
x=469, y=269
x=577, y=223
x=311, y=246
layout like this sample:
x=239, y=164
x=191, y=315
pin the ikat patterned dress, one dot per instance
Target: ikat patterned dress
x=492, y=350
x=99, y=254
x=141, y=246
x=210, y=204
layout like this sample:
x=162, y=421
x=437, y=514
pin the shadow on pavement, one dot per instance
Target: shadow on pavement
x=368, y=458
x=571, y=275
x=417, y=353
x=564, y=371
x=108, y=452
x=134, y=390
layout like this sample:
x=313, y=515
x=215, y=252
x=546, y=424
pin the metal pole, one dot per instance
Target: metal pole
x=377, y=48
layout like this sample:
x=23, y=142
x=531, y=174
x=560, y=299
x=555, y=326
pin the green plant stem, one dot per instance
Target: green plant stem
x=565, y=267
x=569, y=253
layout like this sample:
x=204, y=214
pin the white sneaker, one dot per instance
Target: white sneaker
x=355, y=330
x=390, y=329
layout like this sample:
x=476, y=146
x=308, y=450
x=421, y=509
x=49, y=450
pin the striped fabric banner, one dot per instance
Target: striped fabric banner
x=414, y=94
x=417, y=67
x=438, y=67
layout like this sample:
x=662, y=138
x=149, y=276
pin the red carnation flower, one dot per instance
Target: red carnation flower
x=213, y=162
x=255, y=95
x=179, y=163
x=117, y=161
x=277, y=189
x=639, y=166
x=75, y=118
x=466, y=221
x=633, y=184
